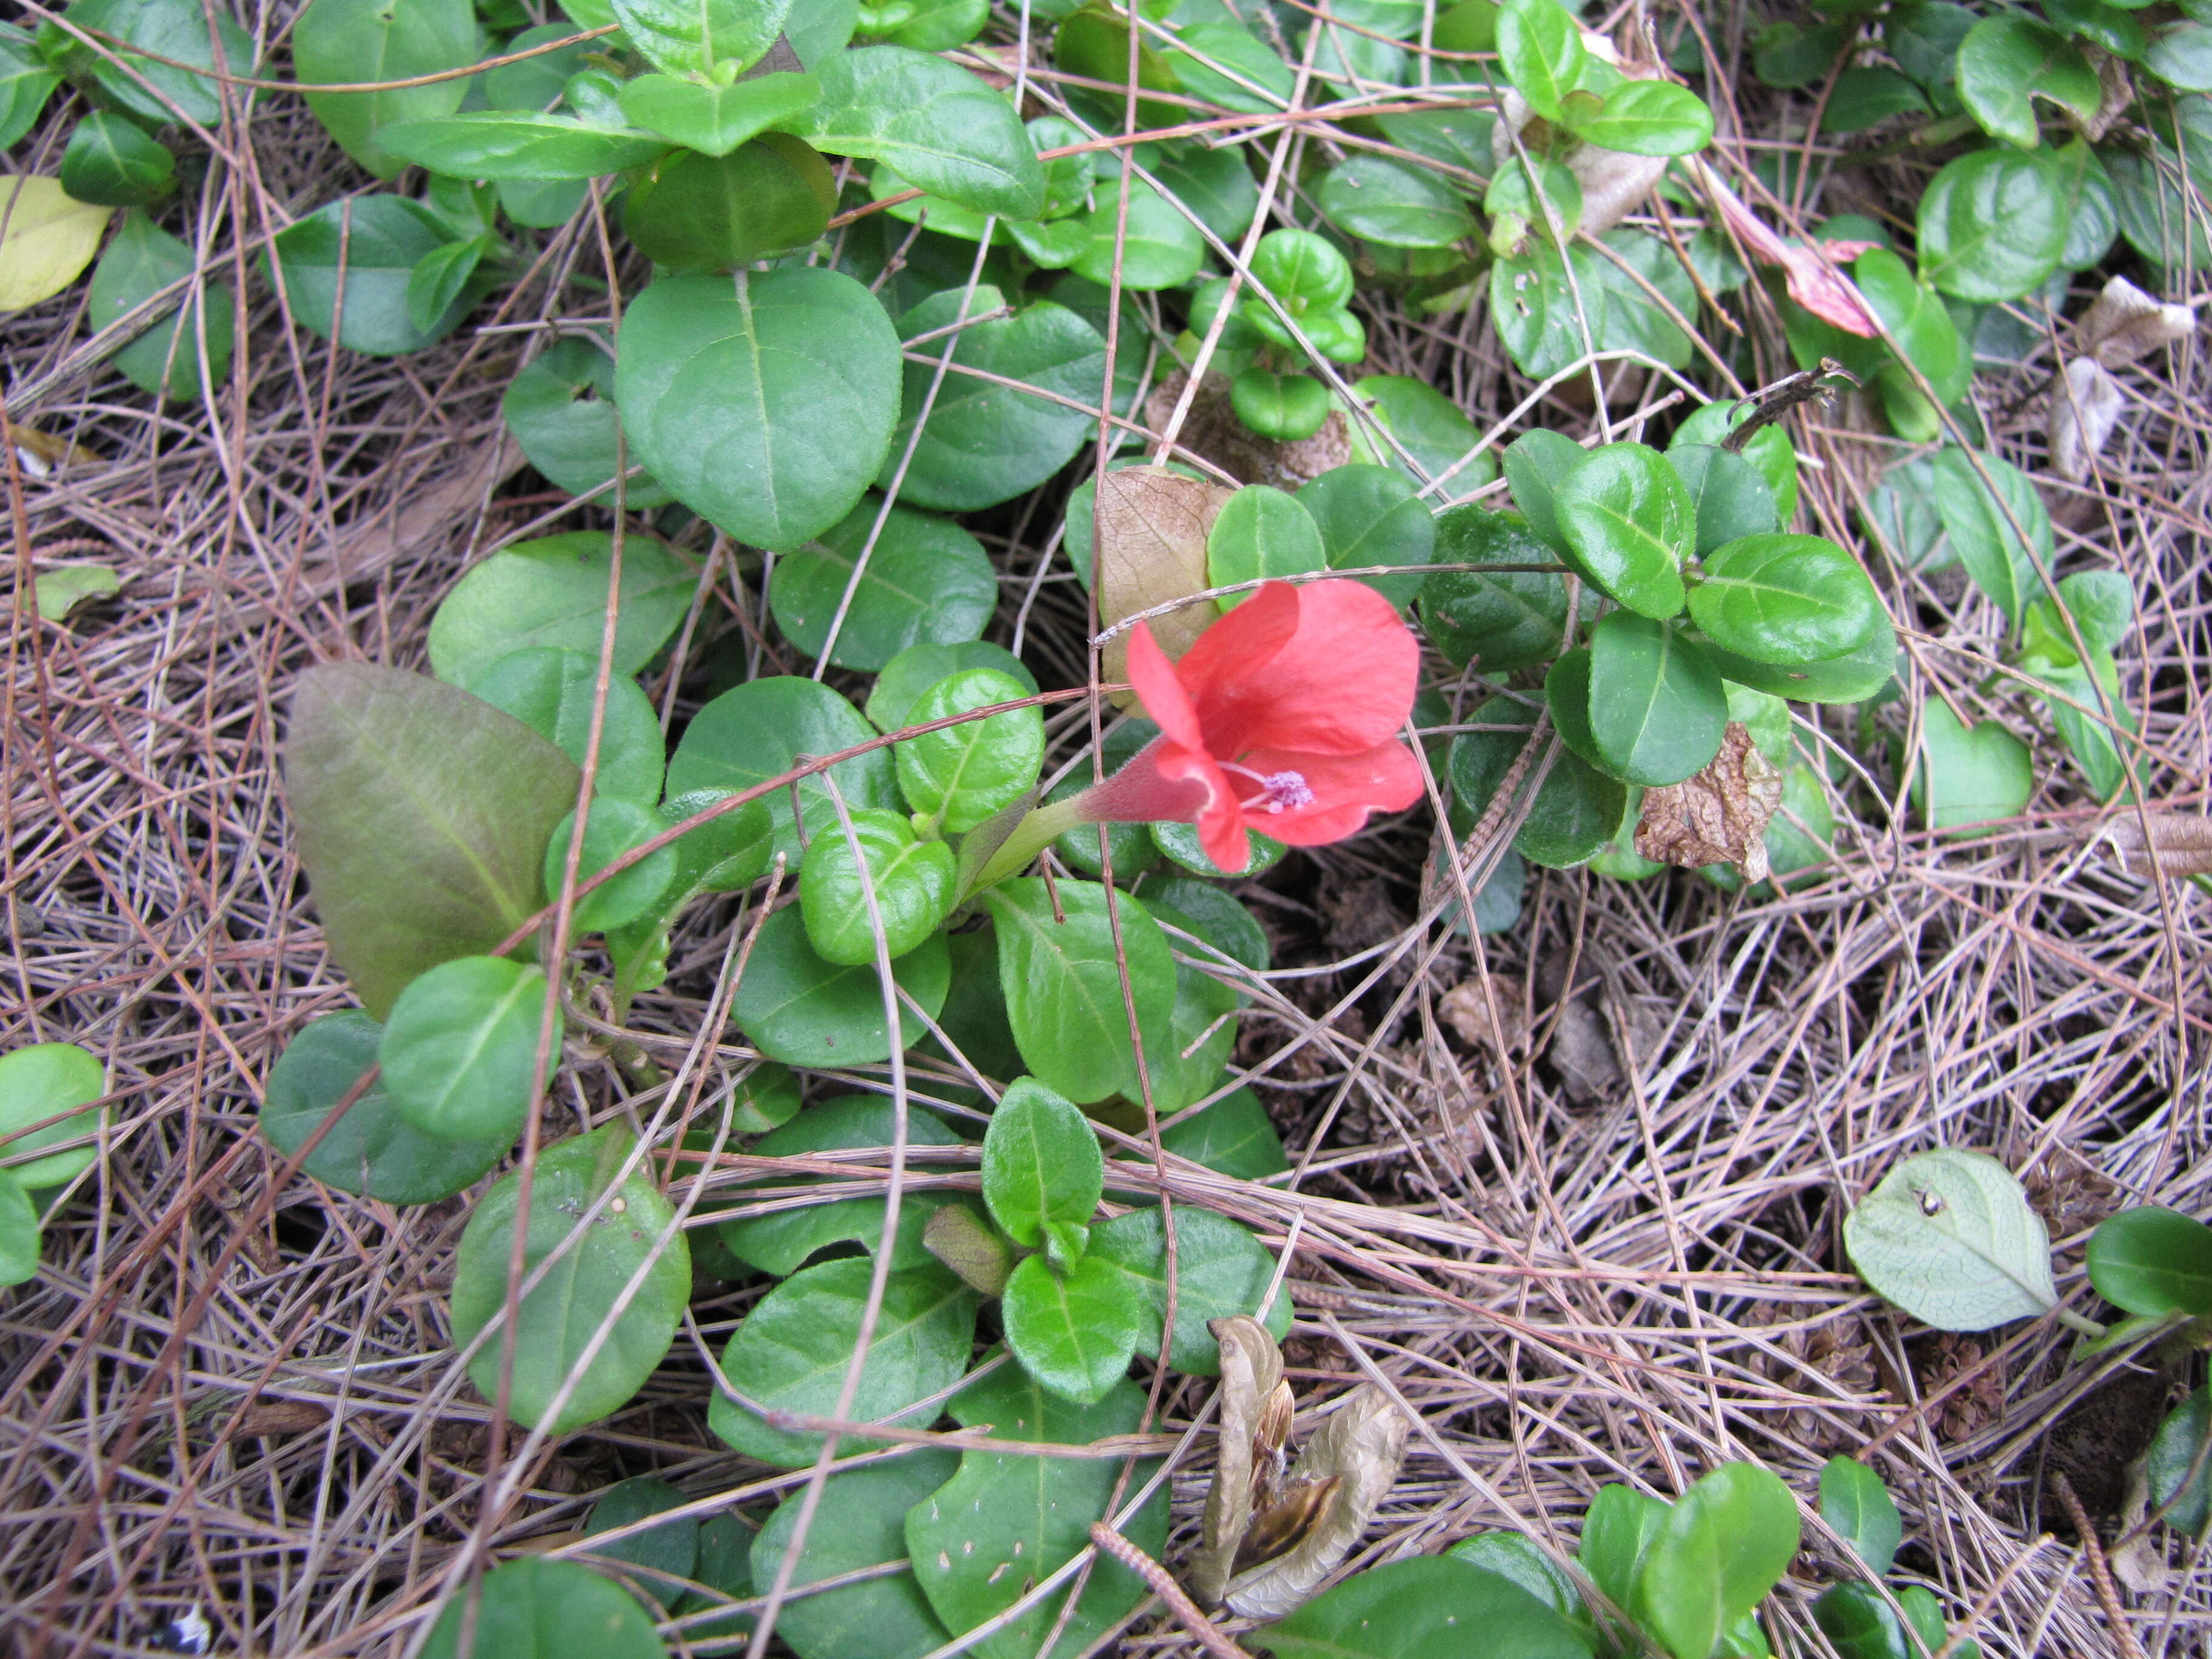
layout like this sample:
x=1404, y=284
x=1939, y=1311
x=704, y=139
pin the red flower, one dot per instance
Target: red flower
x=1284, y=717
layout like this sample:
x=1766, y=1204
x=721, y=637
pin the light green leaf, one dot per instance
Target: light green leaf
x=1950, y=1237
x=350, y=42
x=934, y=124
x=35, y=1083
x=553, y=591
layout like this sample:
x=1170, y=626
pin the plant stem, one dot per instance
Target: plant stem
x=1030, y=837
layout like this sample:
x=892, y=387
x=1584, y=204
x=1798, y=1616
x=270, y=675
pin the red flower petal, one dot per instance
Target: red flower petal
x=1342, y=682
x=1161, y=689
x=1346, y=789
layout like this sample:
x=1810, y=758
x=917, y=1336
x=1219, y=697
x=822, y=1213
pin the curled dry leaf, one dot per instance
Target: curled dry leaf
x=1466, y=1008
x=2175, y=844
x=1719, y=815
x=2123, y=322
x=1251, y=1379
x=1152, y=525
x=2084, y=407
x=1810, y=271
x=1332, y=1491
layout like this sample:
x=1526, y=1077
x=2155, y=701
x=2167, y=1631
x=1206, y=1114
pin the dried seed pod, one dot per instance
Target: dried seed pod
x=2124, y=323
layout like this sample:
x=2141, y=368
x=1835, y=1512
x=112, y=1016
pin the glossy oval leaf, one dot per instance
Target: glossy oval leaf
x=692, y=37
x=796, y=1008
x=1074, y=1331
x=924, y=581
x=2176, y=1452
x=1371, y=515
x=1494, y=620
x=1950, y=1237
x=460, y=1049
x=36, y=1082
x=1541, y=49
x=964, y=775
x=109, y=162
x=1969, y=775
x=1986, y=526
x=1722, y=1545
x=1384, y=201
x=1648, y=117
x=365, y=247
x=518, y=144
x=910, y=883
x=918, y=667
x=553, y=690
x=1656, y=707
x=1063, y=984
x=1424, y=1608
x=532, y=1608
x=350, y=42
x=1628, y=524
x=1578, y=810
x=858, y=1523
x=1784, y=598
x=1221, y=1270
x=933, y=123
x=757, y=731
x=614, y=828
x=1859, y=1509
x=140, y=260
x=553, y=591
x=2148, y=1260
x=559, y=407
x=1260, y=533
x=1992, y=225
x=2005, y=63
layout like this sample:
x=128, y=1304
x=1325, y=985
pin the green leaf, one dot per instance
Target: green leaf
x=19, y=1232
x=538, y=81
x=529, y=1607
x=911, y=883
x=1617, y=1534
x=1518, y=1559
x=564, y=1315
x=1729, y=494
x=2156, y=206
x=1917, y=317
x=2147, y=1260
x=669, y=1551
x=422, y=814
x=110, y=162
x=1532, y=303
x=1985, y=526
x=518, y=144
x=965, y=774
x=769, y=196
x=1949, y=1236
x=1063, y=984
x=348, y=42
x=1180, y=843
x=757, y=731
x=1969, y=775
x=2178, y=1447
x=26, y=82
x=1858, y=1508
x=372, y=1150
x=1629, y=524
x=1216, y=184
x=858, y=1523
x=690, y=37
x=1430, y=1608
x=984, y=442
x=1220, y=1270
x=1859, y=1624
x=939, y=25
x=1721, y=1547
x=1263, y=81
x=1158, y=247
x=1287, y=407
x=613, y=828
x=934, y=124
x=794, y=1348
x=1785, y=599
x=1041, y=1163
x=35, y=1083
x=715, y=120
x=779, y=1241
x=796, y=1008
x=366, y=247
x=1577, y=809
x=2182, y=57
x=1852, y=678
x=1541, y=49
x=553, y=591
x=1072, y=1331
x=440, y=278
x=1233, y=1137
x=1261, y=532
x=1648, y=117
x=1867, y=95
x=2005, y=63
x=926, y=581
x=159, y=93
x=1304, y=269
x=1387, y=202
x=1656, y=707
x=1769, y=450
x=460, y=1049
x=1371, y=515
x=1536, y=465
x=1992, y=225
x=58, y=593
x=560, y=408
x=1201, y=1030
x=971, y=1247
x=551, y=690
x=766, y=406
x=918, y=667
x=1003, y=1521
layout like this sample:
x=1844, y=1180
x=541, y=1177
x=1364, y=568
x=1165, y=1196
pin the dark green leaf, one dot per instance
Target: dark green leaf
x=1769, y=450
x=1261, y=532
x=1536, y=464
x=1431, y=1607
x=1729, y=494
x=1986, y=526
x=26, y=82
x=1533, y=302
x=372, y=1150
x=1858, y=1508
x=459, y=1051
x=1656, y=708
x=348, y=42
x=1851, y=678
x=110, y=162
x=1063, y=984
x=1865, y=96
x=715, y=120
x=779, y=1241
x=965, y=774
x=796, y=1008
x=1628, y=525
x=794, y=1348
x=1233, y=1137
x=142, y=258
x=1214, y=184
x=1202, y=1031
x=1220, y=1270
x=518, y=144
x=1785, y=599
x=926, y=581
x=1859, y=1623
x=666, y=1552
x=552, y=690
x=1498, y=622
x=1993, y=224
x=757, y=731
x=1518, y=1559
x=553, y=591
x=2178, y=1449
x=366, y=247
x=1158, y=247
x=918, y=667
x=2151, y=1260
x=531, y=1609
x=615, y=827
x=860, y=1523
x=1724, y=1544
x=576, y=1298
x=1214, y=915
x=19, y=1232
x=561, y=409
x=1617, y=1535
x=2093, y=216
x=933, y=123
x=1370, y=515
x=1041, y=1163
x=768, y=198
x=1389, y=202
x=1262, y=82
x=2160, y=215
x=1287, y=407
x=2007, y=62
x=2182, y=57
x=421, y=813
x=1577, y=809
x=765, y=405
x=159, y=93
x=1005, y=1521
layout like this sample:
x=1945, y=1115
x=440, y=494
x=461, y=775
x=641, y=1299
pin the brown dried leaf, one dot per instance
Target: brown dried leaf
x=1251, y=1377
x=1466, y=1008
x=277, y=1416
x=1359, y=1447
x=2123, y=322
x=1719, y=815
x=2084, y=407
x=2178, y=844
x=1152, y=525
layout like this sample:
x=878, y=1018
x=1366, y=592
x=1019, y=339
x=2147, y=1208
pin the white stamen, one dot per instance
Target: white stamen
x=1280, y=791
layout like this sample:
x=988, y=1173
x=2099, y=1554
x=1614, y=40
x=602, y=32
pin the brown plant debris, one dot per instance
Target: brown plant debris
x=1719, y=815
x=2161, y=843
x=1212, y=430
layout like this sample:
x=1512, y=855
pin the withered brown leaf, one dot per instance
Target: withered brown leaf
x=2177, y=844
x=1719, y=814
x=2084, y=407
x=1152, y=525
